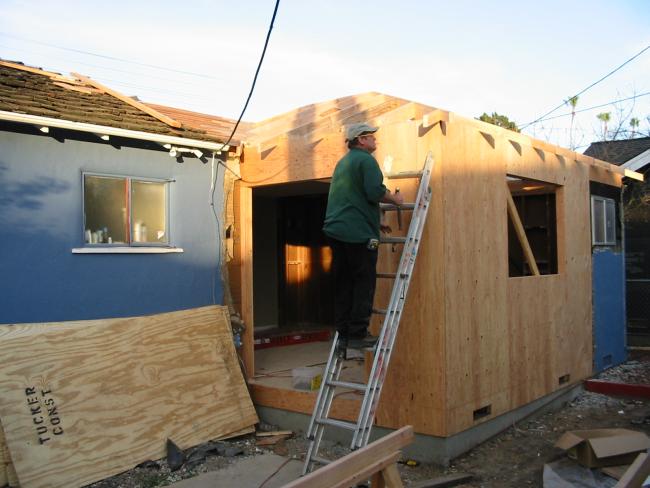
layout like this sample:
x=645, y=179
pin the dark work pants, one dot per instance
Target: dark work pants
x=355, y=274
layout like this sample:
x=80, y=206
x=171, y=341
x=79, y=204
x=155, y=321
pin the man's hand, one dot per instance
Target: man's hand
x=394, y=198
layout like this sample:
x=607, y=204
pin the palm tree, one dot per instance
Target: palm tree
x=604, y=117
x=634, y=123
x=573, y=101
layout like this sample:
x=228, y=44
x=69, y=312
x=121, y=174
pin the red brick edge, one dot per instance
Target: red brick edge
x=618, y=389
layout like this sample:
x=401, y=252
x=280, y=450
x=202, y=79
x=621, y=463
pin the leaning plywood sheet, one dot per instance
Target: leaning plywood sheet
x=82, y=401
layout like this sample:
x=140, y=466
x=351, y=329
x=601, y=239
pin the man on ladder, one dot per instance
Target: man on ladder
x=353, y=225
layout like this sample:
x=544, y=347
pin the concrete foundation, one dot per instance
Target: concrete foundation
x=425, y=448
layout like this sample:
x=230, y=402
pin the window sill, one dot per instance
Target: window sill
x=126, y=250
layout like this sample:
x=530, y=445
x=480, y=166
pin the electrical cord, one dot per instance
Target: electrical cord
x=220, y=161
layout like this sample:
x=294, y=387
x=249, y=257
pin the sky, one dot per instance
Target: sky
x=519, y=58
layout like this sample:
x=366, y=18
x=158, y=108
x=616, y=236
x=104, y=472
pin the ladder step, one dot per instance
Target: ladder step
x=320, y=460
x=349, y=384
x=403, y=174
x=391, y=276
x=403, y=206
x=392, y=240
x=341, y=424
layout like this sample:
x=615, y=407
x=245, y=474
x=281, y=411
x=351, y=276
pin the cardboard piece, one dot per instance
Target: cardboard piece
x=603, y=447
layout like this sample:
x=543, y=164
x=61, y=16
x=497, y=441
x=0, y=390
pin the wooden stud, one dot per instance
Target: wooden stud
x=637, y=473
x=521, y=234
x=359, y=465
x=4, y=458
x=134, y=103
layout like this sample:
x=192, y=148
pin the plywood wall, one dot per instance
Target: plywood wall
x=472, y=338
x=509, y=340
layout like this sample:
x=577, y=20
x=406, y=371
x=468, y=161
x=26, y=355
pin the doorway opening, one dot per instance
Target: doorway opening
x=293, y=288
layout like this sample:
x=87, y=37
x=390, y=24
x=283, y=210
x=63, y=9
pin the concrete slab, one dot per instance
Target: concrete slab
x=248, y=473
x=425, y=448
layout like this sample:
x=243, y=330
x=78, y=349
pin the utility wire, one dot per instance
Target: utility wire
x=589, y=87
x=595, y=106
x=257, y=72
x=112, y=58
x=220, y=162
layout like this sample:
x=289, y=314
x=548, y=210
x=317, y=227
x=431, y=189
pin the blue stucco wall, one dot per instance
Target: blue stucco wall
x=608, y=308
x=41, y=221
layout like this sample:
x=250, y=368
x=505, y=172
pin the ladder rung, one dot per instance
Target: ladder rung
x=403, y=206
x=342, y=424
x=320, y=460
x=390, y=276
x=349, y=384
x=392, y=240
x=403, y=174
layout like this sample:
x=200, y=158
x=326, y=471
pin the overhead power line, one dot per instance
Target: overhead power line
x=595, y=107
x=112, y=58
x=589, y=87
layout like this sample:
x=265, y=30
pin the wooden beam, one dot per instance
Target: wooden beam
x=521, y=233
x=134, y=103
x=22, y=67
x=302, y=401
x=636, y=473
x=434, y=117
x=358, y=465
x=245, y=230
x=4, y=461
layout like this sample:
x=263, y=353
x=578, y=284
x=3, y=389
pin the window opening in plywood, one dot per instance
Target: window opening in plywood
x=535, y=202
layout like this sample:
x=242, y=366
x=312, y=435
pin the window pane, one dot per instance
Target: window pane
x=597, y=219
x=105, y=210
x=610, y=227
x=149, y=211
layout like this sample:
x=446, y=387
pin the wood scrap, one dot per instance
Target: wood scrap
x=444, y=481
x=83, y=401
x=270, y=441
x=3, y=458
x=274, y=433
x=636, y=474
x=361, y=464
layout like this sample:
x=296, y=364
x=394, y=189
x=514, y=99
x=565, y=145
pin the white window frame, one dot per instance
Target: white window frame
x=132, y=247
x=609, y=204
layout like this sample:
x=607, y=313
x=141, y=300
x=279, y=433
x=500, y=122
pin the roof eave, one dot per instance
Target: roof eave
x=111, y=131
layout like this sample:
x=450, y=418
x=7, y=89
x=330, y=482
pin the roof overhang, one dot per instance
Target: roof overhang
x=637, y=162
x=38, y=120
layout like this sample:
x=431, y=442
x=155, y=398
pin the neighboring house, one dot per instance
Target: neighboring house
x=96, y=219
x=634, y=155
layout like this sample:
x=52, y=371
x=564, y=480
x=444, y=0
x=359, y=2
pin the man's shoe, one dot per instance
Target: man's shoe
x=367, y=342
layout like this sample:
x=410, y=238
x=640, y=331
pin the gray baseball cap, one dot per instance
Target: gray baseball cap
x=355, y=130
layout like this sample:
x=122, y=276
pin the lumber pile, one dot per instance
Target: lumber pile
x=81, y=401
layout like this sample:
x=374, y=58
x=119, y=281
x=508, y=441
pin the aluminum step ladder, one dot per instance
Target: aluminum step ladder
x=372, y=390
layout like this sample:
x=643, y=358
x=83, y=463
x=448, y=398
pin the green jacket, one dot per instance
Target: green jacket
x=353, y=203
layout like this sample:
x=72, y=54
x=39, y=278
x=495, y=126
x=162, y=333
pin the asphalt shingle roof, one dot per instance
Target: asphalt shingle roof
x=618, y=152
x=36, y=92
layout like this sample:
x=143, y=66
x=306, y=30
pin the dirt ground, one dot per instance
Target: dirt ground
x=513, y=459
